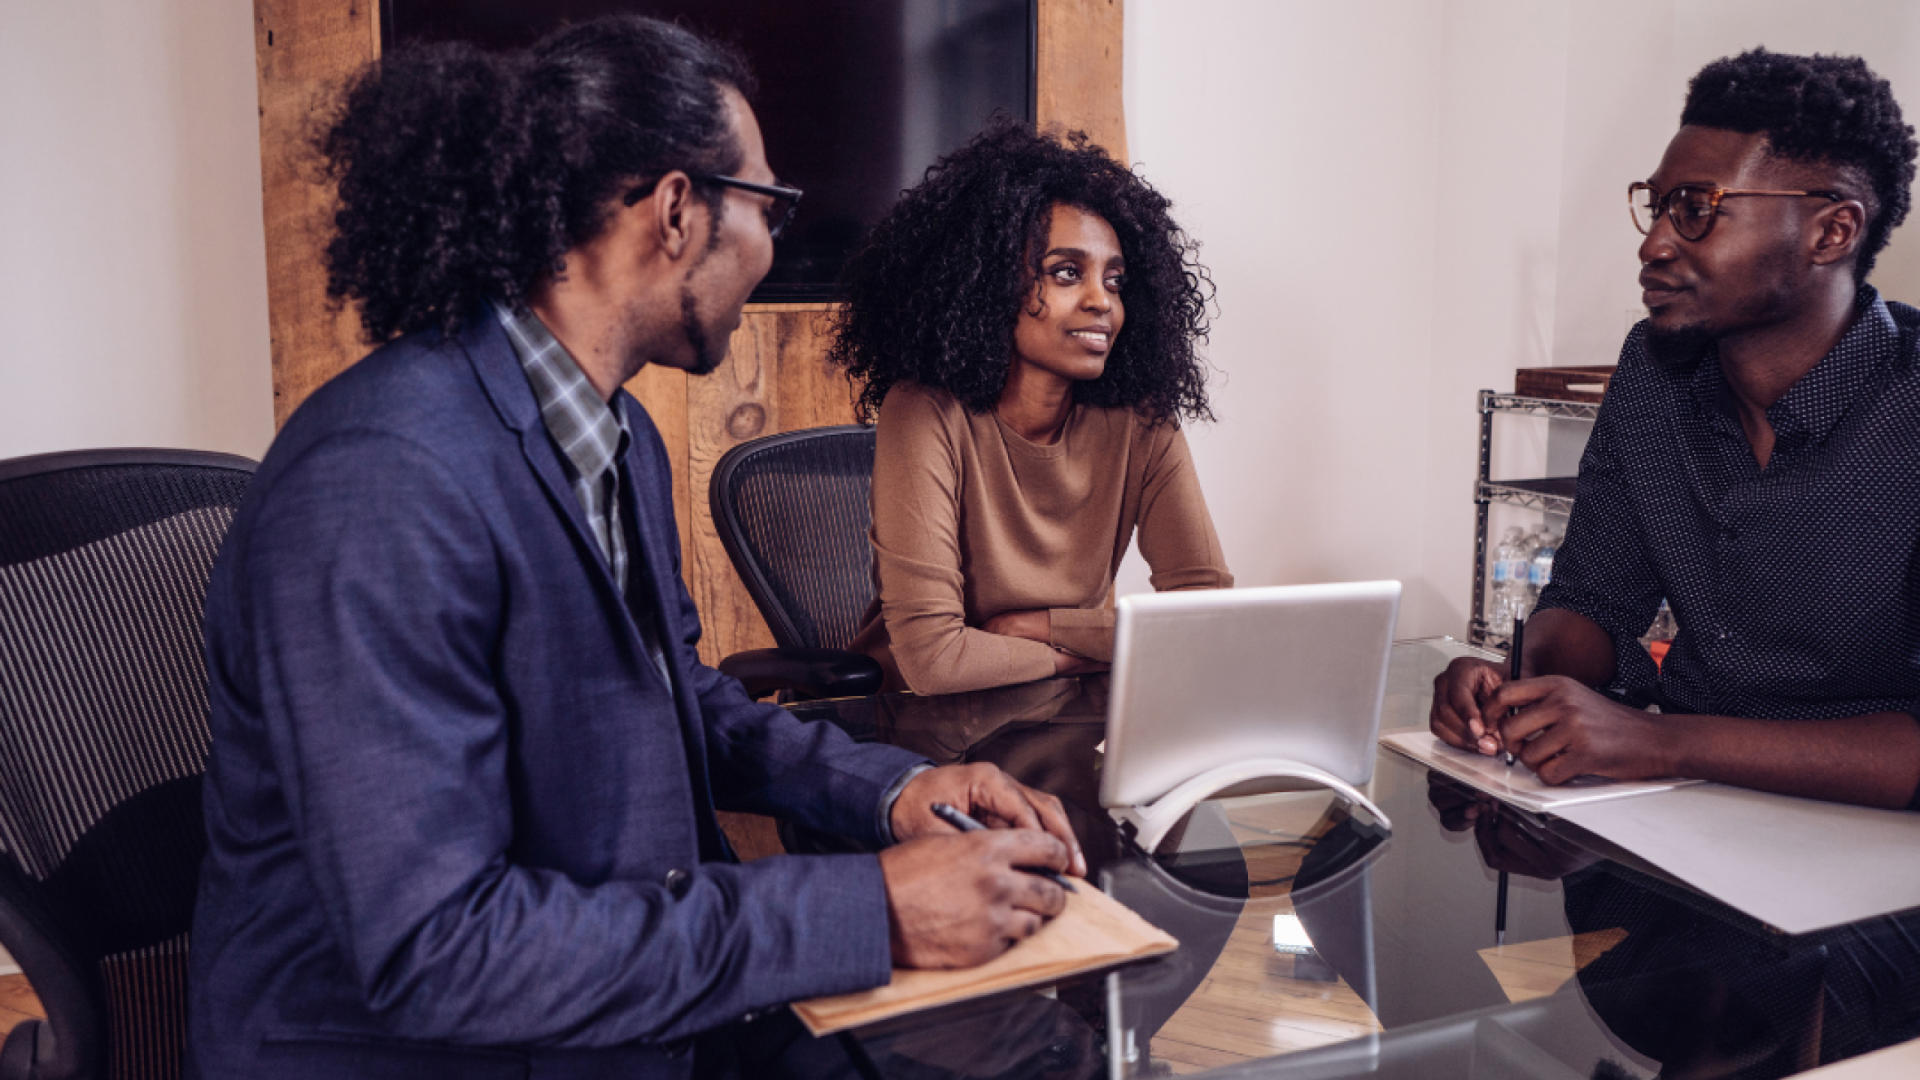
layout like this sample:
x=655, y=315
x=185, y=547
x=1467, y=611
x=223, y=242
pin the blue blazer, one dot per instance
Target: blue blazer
x=459, y=824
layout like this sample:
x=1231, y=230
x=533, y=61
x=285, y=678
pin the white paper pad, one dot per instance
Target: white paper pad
x=1516, y=783
x=1794, y=864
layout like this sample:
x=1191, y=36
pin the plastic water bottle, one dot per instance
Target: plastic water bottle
x=1517, y=576
x=1519, y=553
x=1540, y=571
x=1498, y=619
x=1509, y=574
x=1659, y=637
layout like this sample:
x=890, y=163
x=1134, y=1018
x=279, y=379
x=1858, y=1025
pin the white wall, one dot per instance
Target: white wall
x=1402, y=201
x=1322, y=254
x=132, y=255
x=1626, y=82
x=132, y=258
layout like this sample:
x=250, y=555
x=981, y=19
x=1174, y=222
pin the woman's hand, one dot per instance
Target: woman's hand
x=1066, y=663
x=1035, y=625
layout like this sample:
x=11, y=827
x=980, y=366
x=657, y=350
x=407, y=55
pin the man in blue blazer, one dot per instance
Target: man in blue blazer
x=465, y=762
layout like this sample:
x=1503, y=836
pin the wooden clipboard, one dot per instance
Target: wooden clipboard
x=1094, y=931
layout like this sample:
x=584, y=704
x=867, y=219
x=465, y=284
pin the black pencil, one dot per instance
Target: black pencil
x=1513, y=668
x=1500, y=912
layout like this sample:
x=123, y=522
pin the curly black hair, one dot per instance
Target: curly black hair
x=934, y=292
x=464, y=176
x=1830, y=110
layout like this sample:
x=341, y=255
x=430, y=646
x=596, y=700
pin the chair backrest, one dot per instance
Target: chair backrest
x=792, y=511
x=104, y=561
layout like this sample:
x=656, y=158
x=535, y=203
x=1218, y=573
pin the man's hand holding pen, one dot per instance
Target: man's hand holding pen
x=1459, y=716
x=957, y=899
x=1554, y=725
x=1562, y=729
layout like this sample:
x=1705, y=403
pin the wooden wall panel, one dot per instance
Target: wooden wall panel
x=18, y=1003
x=812, y=392
x=734, y=404
x=1080, y=70
x=304, y=52
x=775, y=379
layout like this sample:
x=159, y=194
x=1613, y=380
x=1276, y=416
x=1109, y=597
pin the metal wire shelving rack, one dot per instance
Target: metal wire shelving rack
x=1548, y=494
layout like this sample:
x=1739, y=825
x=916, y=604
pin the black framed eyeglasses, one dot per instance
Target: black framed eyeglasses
x=1691, y=208
x=782, y=201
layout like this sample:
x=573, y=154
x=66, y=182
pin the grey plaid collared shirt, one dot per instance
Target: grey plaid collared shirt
x=592, y=436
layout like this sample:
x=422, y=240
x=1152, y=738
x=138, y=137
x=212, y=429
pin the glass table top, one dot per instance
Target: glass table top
x=1473, y=941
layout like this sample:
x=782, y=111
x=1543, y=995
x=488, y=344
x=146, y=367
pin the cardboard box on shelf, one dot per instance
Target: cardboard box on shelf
x=1587, y=383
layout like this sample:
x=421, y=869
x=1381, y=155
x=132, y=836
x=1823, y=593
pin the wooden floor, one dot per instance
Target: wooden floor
x=1531, y=969
x=17, y=1003
x=1251, y=1006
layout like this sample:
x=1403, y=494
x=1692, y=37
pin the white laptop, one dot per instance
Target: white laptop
x=1227, y=689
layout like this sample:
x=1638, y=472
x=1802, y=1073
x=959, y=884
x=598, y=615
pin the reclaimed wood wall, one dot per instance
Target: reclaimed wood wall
x=1079, y=70
x=775, y=378
x=304, y=51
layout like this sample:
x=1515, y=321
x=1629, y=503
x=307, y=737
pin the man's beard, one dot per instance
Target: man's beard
x=1680, y=348
x=705, y=357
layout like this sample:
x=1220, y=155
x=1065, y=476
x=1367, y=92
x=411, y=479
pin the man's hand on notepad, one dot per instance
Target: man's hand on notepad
x=1562, y=730
x=1457, y=718
x=959, y=899
x=1552, y=724
x=990, y=796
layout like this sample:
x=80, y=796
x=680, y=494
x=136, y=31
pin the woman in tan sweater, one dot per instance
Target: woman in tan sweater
x=1024, y=322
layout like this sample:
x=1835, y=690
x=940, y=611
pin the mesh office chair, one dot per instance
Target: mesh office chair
x=792, y=512
x=104, y=559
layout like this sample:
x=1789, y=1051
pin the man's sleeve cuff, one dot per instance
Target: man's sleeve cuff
x=891, y=796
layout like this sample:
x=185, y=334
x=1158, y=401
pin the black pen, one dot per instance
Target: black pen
x=1513, y=669
x=966, y=824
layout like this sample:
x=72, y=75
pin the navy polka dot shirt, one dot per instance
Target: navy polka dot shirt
x=1795, y=586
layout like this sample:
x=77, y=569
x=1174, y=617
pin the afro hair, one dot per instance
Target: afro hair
x=934, y=292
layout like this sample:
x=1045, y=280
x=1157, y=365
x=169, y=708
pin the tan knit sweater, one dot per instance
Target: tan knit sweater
x=970, y=521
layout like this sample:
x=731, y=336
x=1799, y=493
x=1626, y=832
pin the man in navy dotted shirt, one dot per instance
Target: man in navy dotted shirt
x=1756, y=463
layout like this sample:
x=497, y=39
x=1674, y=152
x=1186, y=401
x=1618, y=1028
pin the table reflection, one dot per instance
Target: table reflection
x=1608, y=968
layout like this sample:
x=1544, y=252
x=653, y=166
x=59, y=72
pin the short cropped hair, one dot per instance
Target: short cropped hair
x=1830, y=110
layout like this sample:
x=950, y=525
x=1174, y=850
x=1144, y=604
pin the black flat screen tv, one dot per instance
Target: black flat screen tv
x=857, y=97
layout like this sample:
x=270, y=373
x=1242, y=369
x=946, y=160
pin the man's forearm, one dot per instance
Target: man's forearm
x=1561, y=642
x=1871, y=760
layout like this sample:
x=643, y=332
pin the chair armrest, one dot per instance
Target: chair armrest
x=811, y=673
x=71, y=1042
